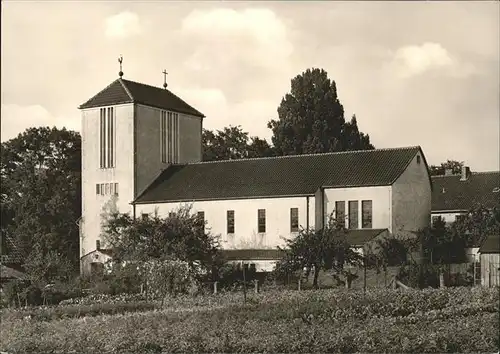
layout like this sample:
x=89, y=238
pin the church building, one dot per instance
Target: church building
x=142, y=152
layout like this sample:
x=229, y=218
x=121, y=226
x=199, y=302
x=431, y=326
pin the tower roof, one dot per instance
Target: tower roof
x=123, y=91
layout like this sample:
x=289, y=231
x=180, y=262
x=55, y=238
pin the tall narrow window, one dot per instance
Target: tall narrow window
x=107, y=138
x=102, y=136
x=97, y=189
x=170, y=136
x=353, y=214
x=294, y=219
x=366, y=208
x=163, y=136
x=230, y=221
x=340, y=213
x=116, y=188
x=176, y=140
x=261, y=216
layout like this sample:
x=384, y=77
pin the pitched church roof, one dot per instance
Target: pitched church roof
x=278, y=176
x=450, y=193
x=123, y=91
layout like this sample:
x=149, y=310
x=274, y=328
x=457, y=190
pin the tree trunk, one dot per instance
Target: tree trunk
x=315, y=279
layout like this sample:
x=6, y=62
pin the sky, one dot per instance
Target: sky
x=414, y=73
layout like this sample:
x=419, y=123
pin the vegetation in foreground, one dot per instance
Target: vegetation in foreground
x=434, y=320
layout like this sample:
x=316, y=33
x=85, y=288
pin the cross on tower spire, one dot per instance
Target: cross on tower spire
x=120, y=60
x=165, y=79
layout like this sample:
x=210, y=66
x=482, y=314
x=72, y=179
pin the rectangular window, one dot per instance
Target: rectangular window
x=230, y=221
x=340, y=213
x=435, y=219
x=107, y=189
x=97, y=189
x=261, y=215
x=366, y=207
x=163, y=136
x=353, y=214
x=102, y=188
x=294, y=219
x=116, y=189
x=107, y=138
x=171, y=215
x=144, y=216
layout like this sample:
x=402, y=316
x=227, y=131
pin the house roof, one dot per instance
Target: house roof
x=450, y=193
x=361, y=236
x=491, y=244
x=10, y=273
x=293, y=175
x=123, y=91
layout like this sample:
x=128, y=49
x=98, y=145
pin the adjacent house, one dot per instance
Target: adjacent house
x=454, y=195
x=141, y=153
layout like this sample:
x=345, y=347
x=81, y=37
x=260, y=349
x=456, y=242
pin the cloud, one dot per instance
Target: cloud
x=124, y=24
x=16, y=119
x=251, y=115
x=414, y=60
x=252, y=36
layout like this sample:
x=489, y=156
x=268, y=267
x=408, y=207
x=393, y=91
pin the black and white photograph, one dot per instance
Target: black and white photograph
x=250, y=177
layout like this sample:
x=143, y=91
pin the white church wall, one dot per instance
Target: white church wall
x=122, y=173
x=246, y=235
x=381, y=203
x=411, y=198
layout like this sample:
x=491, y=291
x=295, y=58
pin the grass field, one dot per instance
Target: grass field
x=447, y=320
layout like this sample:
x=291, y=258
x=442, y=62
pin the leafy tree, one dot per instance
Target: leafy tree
x=453, y=165
x=476, y=225
x=316, y=250
x=40, y=172
x=179, y=237
x=233, y=143
x=311, y=119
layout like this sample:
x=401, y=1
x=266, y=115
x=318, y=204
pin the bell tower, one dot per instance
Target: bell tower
x=130, y=133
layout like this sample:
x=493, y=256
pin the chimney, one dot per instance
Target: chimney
x=465, y=173
x=448, y=172
x=98, y=245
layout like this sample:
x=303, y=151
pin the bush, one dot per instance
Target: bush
x=419, y=276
